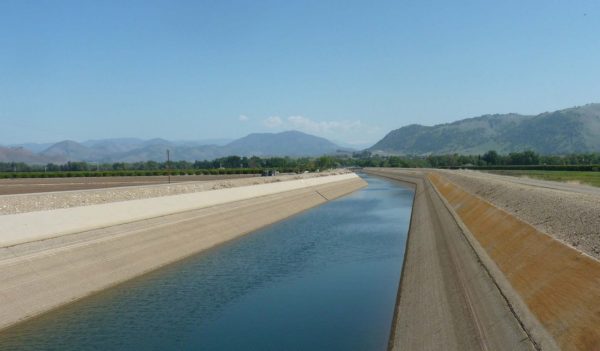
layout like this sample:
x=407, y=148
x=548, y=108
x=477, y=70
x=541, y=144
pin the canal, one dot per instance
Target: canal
x=325, y=279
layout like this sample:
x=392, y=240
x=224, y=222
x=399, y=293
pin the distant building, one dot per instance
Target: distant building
x=269, y=173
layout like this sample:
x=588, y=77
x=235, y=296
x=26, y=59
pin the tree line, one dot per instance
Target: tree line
x=524, y=158
x=288, y=164
x=229, y=162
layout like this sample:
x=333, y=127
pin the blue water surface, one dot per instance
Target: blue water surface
x=325, y=279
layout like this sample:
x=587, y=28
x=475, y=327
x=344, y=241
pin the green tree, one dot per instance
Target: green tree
x=325, y=162
x=491, y=157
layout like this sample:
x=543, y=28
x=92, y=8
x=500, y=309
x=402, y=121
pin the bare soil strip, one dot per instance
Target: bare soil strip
x=40, y=185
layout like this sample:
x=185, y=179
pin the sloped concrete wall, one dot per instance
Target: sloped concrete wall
x=40, y=275
x=446, y=299
x=24, y=227
x=558, y=284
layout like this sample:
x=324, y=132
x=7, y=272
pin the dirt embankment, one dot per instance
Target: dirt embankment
x=11, y=204
x=571, y=217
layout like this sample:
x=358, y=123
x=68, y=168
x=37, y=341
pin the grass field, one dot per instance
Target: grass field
x=589, y=178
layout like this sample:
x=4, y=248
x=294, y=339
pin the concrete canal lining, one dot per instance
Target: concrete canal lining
x=49, y=268
x=32, y=226
x=447, y=300
x=553, y=284
x=550, y=289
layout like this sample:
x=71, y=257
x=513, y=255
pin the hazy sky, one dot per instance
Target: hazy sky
x=347, y=70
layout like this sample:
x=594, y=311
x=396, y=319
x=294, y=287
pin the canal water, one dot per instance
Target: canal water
x=325, y=279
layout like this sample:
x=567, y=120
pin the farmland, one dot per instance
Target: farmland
x=11, y=186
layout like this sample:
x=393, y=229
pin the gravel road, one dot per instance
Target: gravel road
x=568, y=212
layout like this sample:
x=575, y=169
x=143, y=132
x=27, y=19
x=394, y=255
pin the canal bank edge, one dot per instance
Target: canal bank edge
x=446, y=300
x=41, y=275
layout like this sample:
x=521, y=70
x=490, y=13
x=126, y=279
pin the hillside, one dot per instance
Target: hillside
x=20, y=154
x=565, y=131
x=69, y=150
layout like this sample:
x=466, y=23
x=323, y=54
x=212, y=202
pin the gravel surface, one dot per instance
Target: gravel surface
x=11, y=204
x=569, y=216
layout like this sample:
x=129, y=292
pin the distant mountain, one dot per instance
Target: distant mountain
x=203, y=142
x=33, y=147
x=20, y=154
x=571, y=130
x=70, y=150
x=109, y=146
x=291, y=143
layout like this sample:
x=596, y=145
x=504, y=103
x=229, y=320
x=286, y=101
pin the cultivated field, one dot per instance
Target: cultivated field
x=39, y=185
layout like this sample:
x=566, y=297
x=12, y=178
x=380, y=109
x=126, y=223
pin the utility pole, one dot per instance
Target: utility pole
x=169, y=164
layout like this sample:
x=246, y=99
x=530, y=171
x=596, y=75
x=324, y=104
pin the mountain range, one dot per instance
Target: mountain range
x=572, y=130
x=290, y=143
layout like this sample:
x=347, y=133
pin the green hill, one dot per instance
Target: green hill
x=573, y=130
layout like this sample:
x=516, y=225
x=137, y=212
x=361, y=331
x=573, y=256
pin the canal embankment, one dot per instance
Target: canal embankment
x=324, y=279
x=550, y=287
x=568, y=212
x=554, y=287
x=51, y=257
x=446, y=299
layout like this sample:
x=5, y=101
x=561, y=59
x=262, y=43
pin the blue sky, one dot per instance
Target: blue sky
x=347, y=70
